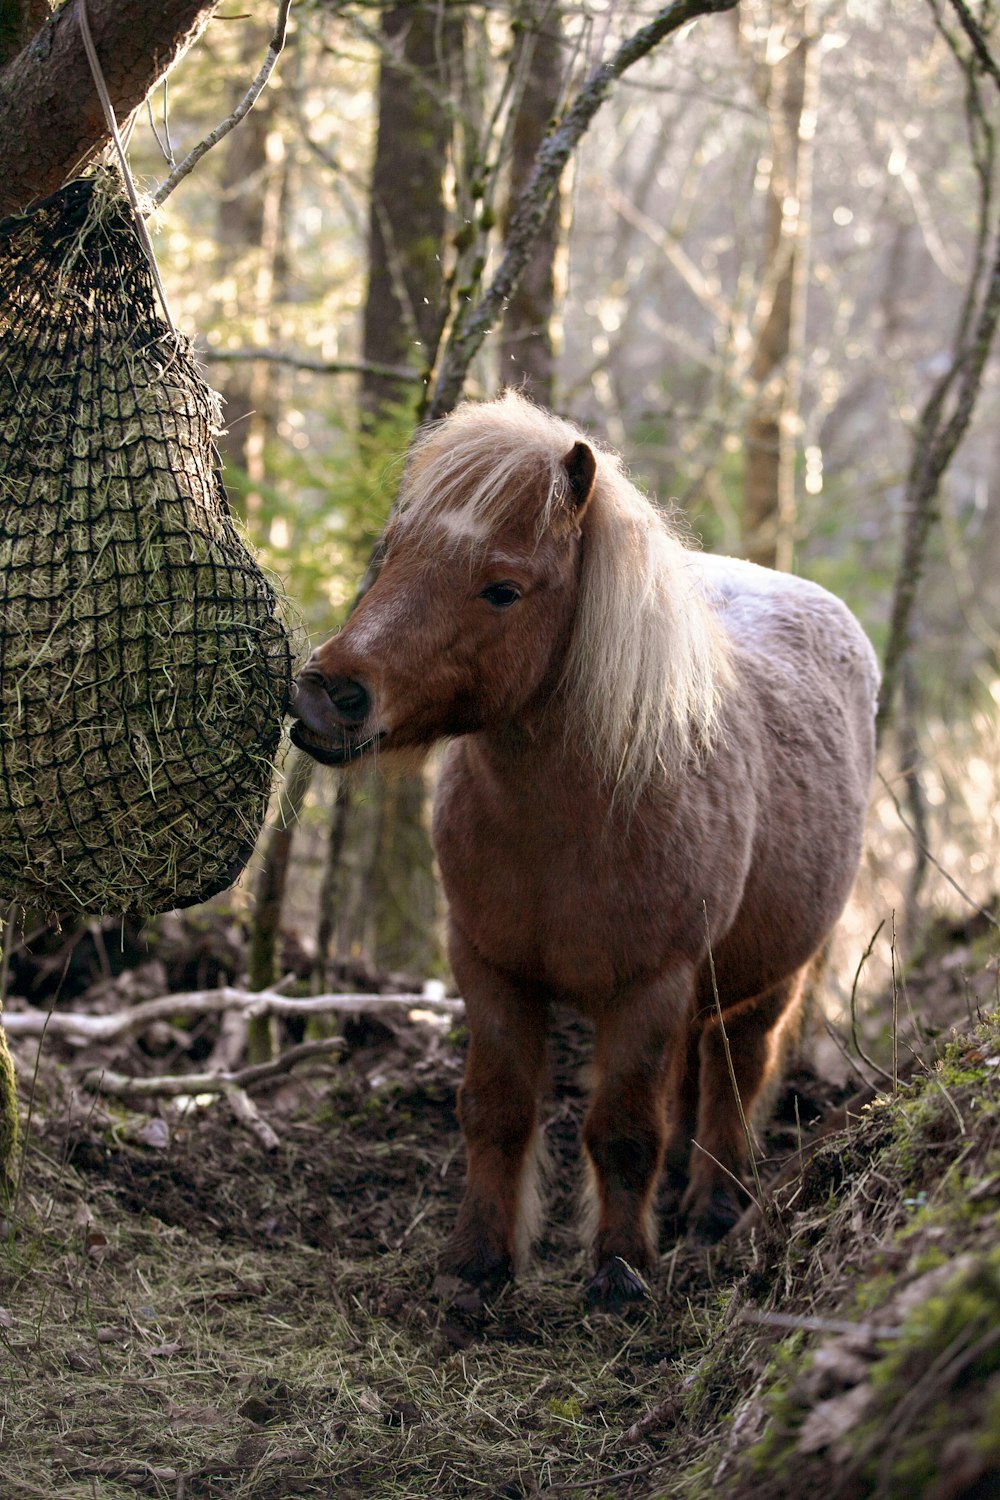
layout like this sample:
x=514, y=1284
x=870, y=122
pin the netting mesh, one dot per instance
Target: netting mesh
x=144, y=667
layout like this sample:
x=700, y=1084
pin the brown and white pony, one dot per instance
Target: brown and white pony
x=659, y=764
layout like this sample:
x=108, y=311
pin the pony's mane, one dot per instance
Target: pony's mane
x=648, y=662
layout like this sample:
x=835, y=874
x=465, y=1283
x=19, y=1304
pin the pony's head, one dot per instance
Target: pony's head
x=522, y=572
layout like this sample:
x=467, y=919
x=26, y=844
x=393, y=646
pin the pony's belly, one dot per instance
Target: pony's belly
x=580, y=939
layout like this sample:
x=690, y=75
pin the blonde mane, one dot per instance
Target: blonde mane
x=648, y=662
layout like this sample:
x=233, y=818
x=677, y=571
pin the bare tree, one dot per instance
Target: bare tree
x=786, y=80
x=949, y=407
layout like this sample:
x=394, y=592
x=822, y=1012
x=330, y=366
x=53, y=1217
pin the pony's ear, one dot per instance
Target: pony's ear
x=581, y=471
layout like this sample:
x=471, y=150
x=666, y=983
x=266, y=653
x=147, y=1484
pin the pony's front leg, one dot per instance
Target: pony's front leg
x=498, y=1111
x=625, y=1130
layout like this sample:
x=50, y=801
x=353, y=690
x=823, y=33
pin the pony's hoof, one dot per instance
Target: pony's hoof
x=484, y=1272
x=713, y=1219
x=615, y=1286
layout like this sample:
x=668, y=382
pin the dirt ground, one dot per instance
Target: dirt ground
x=184, y=1313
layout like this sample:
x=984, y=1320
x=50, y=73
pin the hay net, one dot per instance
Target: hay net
x=144, y=666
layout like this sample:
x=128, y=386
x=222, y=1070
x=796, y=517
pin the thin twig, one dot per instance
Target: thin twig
x=242, y=109
x=816, y=1325
x=317, y=366
x=757, y=1203
x=980, y=910
x=974, y=32
x=855, y=1037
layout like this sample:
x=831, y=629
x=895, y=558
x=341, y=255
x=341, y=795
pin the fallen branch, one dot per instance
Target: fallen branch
x=75, y=1025
x=106, y=1081
x=231, y=1086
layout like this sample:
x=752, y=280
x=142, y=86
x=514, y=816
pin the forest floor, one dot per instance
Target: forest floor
x=185, y=1314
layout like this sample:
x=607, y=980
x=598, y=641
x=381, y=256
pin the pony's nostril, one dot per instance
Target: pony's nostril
x=349, y=698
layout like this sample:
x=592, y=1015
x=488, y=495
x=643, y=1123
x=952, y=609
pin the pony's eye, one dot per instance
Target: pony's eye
x=501, y=595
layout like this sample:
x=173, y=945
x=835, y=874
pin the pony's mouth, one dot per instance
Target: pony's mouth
x=331, y=752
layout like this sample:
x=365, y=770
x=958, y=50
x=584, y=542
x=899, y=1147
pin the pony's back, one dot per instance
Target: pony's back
x=790, y=621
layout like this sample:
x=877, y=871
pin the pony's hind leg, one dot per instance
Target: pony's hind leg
x=682, y=1120
x=625, y=1133
x=498, y=1111
x=714, y=1201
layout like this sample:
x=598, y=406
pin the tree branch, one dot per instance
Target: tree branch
x=74, y=1024
x=529, y=217
x=51, y=122
x=317, y=366
x=242, y=109
x=948, y=409
x=104, y=1081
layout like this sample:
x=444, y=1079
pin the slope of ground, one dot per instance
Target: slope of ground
x=184, y=1314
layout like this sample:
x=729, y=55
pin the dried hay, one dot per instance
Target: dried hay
x=144, y=667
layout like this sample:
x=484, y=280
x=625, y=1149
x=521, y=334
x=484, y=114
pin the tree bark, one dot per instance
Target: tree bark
x=19, y=20
x=404, y=314
x=788, y=89
x=407, y=217
x=50, y=116
x=527, y=354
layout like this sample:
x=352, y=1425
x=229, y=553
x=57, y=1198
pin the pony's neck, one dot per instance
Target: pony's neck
x=534, y=755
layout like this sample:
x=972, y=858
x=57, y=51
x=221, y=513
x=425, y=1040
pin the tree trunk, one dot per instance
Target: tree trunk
x=527, y=354
x=391, y=906
x=789, y=90
x=51, y=122
x=269, y=893
x=251, y=235
x=407, y=215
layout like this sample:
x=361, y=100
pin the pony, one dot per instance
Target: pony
x=650, y=807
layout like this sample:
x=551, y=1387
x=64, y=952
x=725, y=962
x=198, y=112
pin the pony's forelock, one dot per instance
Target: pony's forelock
x=648, y=662
x=470, y=473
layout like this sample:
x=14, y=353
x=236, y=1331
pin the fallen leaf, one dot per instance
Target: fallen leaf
x=155, y=1133
x=196, y=1416
x=95, y=1244
x=109, y=1334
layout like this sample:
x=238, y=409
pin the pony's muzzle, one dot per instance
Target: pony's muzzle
x=329, y=711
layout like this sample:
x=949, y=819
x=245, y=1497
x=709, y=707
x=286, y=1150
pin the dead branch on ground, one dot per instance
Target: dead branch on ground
x=76, y=1026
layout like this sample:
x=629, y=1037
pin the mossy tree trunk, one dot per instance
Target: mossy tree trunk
x=527, y=343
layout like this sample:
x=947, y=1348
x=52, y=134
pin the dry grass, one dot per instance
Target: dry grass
x=284, y=1339
x=189, y=1317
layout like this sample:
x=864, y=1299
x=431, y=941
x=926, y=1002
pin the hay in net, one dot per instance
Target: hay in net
x=144, y=667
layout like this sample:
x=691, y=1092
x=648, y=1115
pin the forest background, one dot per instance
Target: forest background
x=762, y=279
